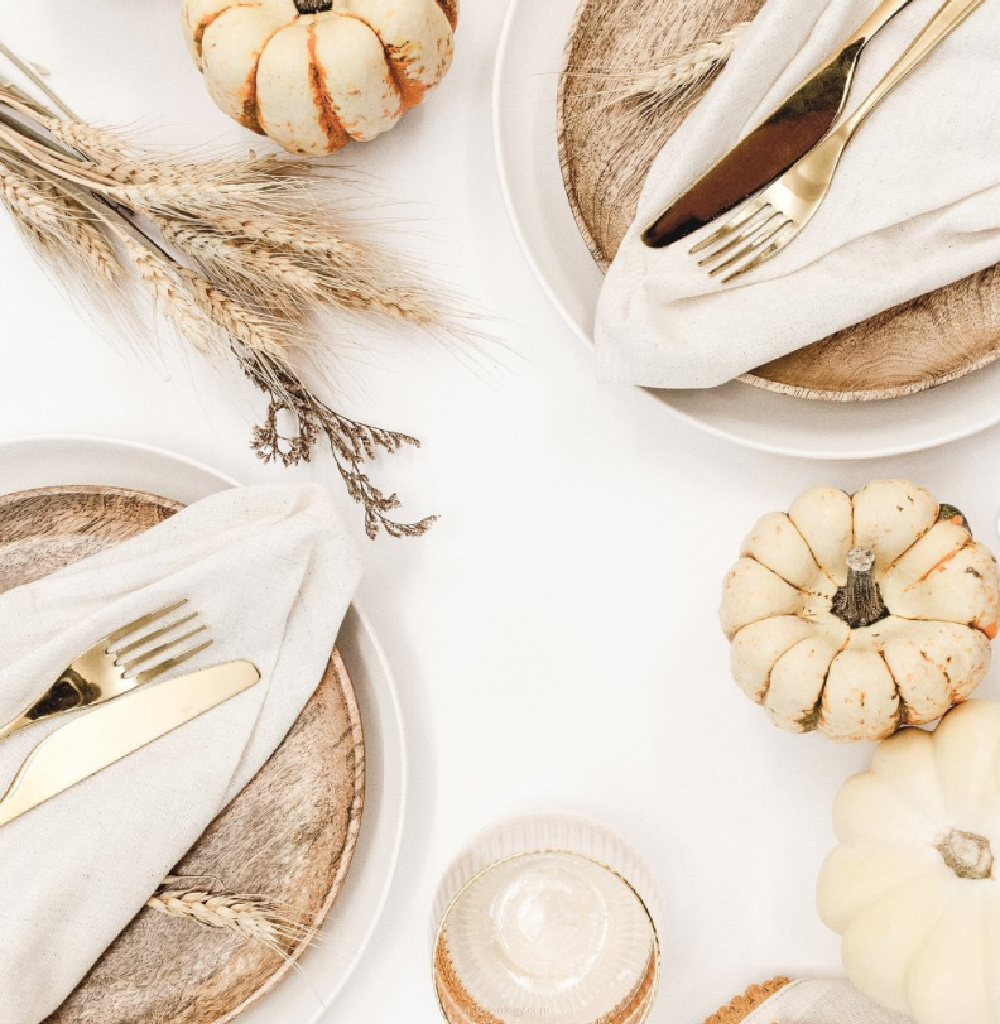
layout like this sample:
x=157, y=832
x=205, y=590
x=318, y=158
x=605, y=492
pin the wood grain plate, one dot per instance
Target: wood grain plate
x=606, y=152
x=290, y=834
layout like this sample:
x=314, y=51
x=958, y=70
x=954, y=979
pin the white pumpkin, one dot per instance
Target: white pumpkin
x=913, y=889
x=313, y=74
x=857, y=615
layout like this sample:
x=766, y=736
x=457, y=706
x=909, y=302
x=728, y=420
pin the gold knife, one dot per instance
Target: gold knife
x=771, y=148
x=99, y=739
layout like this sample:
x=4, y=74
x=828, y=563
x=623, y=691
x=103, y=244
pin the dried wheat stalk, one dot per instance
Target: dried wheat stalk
x=239, y=254
x=251, y=917
x=676, y=76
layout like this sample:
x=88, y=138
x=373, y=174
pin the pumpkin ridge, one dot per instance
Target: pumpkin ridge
x=816, y=715
x=410, y=93
x=812, y=553
x=329, y=119
x=251, y=104
x=903, y=708
x=918, y=952
x=946, y=622
x=952, y=690
x=774, y=664
x=810, y=722
x=941, y=562
x=805, y=593
x=893, y=889
x=767, y=618
x=892, y=565
x=450, y=9
x=198, y=39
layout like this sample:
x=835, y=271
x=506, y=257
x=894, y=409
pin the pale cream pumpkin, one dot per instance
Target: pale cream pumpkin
x=313, y=74
x=856, y=615
x=913, y=889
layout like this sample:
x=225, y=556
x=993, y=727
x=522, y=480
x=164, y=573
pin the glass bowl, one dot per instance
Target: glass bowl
x=547, y=921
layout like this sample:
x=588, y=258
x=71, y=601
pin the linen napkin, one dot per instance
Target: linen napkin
x=914, y=206
x=822, y=1002
x=271, y=570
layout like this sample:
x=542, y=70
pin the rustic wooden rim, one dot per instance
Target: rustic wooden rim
x=347, y=857
x=752, y=378
x=740, y=1007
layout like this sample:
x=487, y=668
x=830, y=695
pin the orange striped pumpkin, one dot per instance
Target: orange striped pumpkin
x=314, y=74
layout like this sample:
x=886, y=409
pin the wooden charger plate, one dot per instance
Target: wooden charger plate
x=291, y=834
x=606, y=150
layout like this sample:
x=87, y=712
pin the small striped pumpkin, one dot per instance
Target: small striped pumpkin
x=314, y=74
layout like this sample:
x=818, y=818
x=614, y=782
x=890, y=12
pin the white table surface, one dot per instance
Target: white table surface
x=554, y=638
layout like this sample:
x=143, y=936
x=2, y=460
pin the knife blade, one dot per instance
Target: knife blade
x=769, y=150
x=111, y=732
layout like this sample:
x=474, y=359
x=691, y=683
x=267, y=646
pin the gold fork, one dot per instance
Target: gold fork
x=774, y=218
x=118, y=663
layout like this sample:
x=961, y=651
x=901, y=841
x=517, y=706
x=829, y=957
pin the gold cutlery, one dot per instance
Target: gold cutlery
x=97, y=740
x=768, y=223
x=119, y=663
x=771, y=148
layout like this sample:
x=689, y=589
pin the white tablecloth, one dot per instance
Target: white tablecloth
x=554, y=638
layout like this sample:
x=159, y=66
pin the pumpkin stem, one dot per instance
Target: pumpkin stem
x=967, y=854
x=313, y=6
x=859, y=602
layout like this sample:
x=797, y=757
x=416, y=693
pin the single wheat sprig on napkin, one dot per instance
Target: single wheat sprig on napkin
x=239, y=254
x=679, y=74
x=251, y=917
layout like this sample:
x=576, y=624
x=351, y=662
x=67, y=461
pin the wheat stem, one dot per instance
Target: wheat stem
x=239, y=254
x=36, y=80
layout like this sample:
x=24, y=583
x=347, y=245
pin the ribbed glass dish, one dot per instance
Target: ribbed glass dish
x=547, y=921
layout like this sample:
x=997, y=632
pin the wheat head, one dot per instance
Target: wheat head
x=57, y=225
x=251, y=917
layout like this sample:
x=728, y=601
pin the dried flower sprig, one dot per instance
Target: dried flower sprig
x=251, y=917
x=239, y=254
x=678, y=75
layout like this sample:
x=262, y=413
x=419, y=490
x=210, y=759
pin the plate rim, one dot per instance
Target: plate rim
x=501, y=71
x=395, y=733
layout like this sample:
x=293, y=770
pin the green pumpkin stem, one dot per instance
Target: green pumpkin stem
x=859, y=602
x=949, y=512
x=313, y=6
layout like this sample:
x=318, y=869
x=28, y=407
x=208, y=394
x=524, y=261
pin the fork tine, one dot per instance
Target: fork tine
x=753, y=208
x=147, y=620
x=165, y=666
x=156, y=652
x=155, y=635
x=750, y=249
x=741, y=237
x=767, y=254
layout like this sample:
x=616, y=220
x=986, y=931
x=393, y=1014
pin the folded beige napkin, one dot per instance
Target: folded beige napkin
x=272, y=571
x=915, y=204
x=822, y=1002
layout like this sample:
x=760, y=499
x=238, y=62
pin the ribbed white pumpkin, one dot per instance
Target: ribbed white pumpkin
x=857, y=615
x=913, y=889
x=313, y=74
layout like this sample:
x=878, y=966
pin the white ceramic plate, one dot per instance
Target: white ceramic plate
x=304, y=995
x=524, y=111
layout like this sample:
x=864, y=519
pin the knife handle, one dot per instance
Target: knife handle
x=947, y=19
x=878, y=19
x=115, y=730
